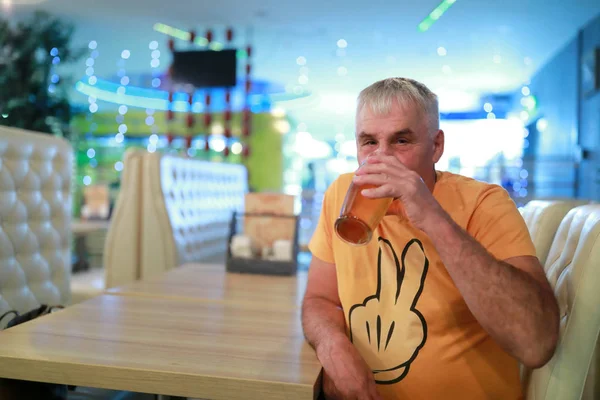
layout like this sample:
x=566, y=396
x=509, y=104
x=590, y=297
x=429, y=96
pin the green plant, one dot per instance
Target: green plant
x=29, y=98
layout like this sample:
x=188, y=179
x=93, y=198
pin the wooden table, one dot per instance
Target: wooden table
x=178, y=344
x=212, y=282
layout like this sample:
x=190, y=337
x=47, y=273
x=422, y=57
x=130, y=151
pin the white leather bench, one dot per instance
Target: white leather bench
x=187, y=206
x=573, y=269
x=35, y=218
x=543, y=218
x=171, y=210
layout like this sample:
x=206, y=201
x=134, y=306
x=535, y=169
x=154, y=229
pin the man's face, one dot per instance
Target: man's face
x=403, y=133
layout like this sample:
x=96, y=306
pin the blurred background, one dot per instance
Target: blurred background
x=276, y=84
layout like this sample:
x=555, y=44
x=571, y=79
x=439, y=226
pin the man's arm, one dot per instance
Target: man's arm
x=322, y=316
x=346, y=373
x=511, y=299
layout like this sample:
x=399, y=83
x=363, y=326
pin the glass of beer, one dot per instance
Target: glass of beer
x=360, y=216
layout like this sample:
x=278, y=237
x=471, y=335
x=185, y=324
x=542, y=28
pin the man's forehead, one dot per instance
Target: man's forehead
x=396, y=114
x=394, y=107
x=388, y=124
x=394, y=121
x=403, y=131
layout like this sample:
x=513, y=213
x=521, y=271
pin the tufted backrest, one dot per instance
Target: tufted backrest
x=573, y=269
x=121, y=248
x=543, y=218
x=187, y=208
x=35, y=218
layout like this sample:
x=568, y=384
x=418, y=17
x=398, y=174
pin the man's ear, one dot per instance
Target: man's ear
x=438, y=145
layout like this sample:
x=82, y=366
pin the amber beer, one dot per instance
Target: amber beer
x=360, y=215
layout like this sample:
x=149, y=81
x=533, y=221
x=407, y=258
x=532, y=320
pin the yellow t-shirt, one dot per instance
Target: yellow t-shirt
x=403, y=312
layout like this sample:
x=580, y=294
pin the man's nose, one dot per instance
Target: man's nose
x=385, y=149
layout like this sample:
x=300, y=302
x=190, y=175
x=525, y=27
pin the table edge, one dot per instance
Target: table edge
x=154, y=382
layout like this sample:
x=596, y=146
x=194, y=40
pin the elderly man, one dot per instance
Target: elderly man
x=448, y=297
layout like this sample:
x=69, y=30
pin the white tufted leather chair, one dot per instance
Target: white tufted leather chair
x=543, y=218
x=187, y=208
x=573, y=269
x=35, y=218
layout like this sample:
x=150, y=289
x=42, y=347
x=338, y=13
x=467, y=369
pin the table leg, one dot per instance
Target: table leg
x=81, y=264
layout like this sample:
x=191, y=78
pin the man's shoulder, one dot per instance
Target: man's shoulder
x=461, y=194
x=466, y=185
x=344, y=179
x=340, y=185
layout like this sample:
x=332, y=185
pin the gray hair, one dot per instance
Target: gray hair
x=380, y=97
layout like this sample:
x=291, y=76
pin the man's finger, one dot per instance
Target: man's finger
x=385, y=159
x=379, y=192
x=371, y=168
x=375, y=180
x=390, y=172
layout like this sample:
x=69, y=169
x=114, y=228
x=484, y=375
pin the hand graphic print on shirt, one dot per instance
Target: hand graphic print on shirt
x=387, y=329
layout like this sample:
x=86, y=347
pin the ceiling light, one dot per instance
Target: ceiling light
x=435, y=15
x=237, y=148
x=278, y=112
x=541, y=124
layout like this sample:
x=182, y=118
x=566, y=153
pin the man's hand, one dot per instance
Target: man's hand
x=346, y=374
x=511, y=299
x=394, y=179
